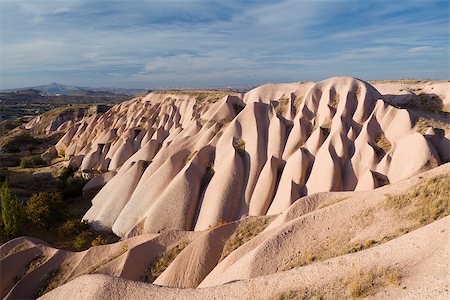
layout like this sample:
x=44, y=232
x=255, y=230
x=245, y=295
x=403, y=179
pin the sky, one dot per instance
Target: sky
x=209, y=43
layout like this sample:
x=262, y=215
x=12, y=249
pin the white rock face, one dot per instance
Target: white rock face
x=214, y=157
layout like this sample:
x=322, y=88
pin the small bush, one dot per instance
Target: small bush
x=99, y=240
x=80, y=242
x=46, y=209
x=67, y=172
x=35, y=263
x=239, y=145
x=335, y=101
x=366, y=283
x=32, y=162
x=382, y=145
x=219, y=223
x=422, y=124
x=298, y=101
x=190, y=157
x=282, y=106
x=73, y=228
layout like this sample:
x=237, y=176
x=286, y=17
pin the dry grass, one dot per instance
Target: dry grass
x=190, y=157
x=422, y=124
x=282, y=106
x=366, y=283
x=201, y=96
x=382, y=145
x=298, y=101
x=332, y=202
x=299, y=294
x=161, y=263
x=18, y=248
x=425, y=203
x=53, y=279
x=239, y=145
x=123, y=248
x=245, y=231
x=334, y=101
x=36, y=263
x=217, y=224
x=427, y=102
x=326, y=129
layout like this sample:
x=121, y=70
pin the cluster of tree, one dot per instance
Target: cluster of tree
x=44, y=209
x=32, y=162
x=47, y=210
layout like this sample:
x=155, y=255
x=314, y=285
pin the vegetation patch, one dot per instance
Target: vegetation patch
x=326, y=129
x=239, y=145
x=99, y=240
x=46, y=209
x=382, y=145
x=18, y=248
x=219, y=223
x=245, y=231
x=298, y=101
x=425, y=203
x=190, y=157
x=32, y=162
x=422, y=124
x=161, y=263
x=209, y=173
x=332, y=202
x=334, y=101
x=282, y=106
x=51, y=281
x=299, y=294
x=36, y=262
x=364, y=283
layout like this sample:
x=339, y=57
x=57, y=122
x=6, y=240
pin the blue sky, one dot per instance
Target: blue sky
x=163, y=44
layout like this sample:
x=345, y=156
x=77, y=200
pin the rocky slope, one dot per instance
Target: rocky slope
x=189, y=160
x=390, y=242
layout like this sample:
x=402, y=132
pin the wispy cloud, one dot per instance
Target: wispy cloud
x=204, y=43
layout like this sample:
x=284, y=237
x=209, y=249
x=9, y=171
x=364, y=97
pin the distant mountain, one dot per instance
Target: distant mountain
x=57, y=88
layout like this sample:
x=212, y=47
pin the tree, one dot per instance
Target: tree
x=46, y=209
x=13, y=213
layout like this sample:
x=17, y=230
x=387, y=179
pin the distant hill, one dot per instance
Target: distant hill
x=57, y=88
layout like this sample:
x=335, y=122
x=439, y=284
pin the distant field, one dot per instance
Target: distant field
x=31, y=102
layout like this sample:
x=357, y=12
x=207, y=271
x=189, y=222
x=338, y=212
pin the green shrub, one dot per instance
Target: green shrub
x=99, y=240
x=80, y=242
x=73, y=227
x=13, y=213
x=32, y=162
x=46, y=209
